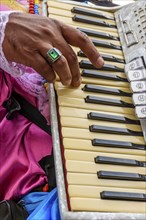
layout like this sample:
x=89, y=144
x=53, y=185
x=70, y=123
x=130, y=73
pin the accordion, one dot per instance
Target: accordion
x=99, y=128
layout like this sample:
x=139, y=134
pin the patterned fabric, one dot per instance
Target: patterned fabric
x=11, y=5
x=10, y=67
x=22, y=143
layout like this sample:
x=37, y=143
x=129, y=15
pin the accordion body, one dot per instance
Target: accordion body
x=99, y=129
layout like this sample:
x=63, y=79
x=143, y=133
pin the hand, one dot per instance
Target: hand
x=29, y=37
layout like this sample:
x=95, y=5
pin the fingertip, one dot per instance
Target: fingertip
x=100, y=62
x=77, y=83
x=66, y=82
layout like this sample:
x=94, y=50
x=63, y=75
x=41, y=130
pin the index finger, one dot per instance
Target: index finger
x=79, y=39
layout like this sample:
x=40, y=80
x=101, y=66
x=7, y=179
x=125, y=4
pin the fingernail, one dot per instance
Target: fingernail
x=77, y=83
x=100, y=61
x=67, y=83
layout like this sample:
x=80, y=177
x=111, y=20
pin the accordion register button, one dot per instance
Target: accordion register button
x=134, y=65
x=141, y=111
x=138, y=86
x=135, y=75
x=139, y=98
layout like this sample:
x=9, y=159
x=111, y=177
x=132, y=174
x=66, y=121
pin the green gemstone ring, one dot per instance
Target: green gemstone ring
x=53, y=55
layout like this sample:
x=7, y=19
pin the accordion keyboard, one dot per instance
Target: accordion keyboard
x=102, y=140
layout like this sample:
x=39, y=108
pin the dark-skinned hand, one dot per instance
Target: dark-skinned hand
x=29, y=37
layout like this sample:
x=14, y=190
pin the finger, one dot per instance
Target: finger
x=60, y=66
x=72, y=60
x=43, y=68
x=81, y=40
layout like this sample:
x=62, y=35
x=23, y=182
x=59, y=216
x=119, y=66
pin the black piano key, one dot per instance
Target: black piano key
x=87, y=12
x=112, y=118
x=107, y=101
x=112, y=58
x=106, y=57
x=100, y=75
x=128, y=196
x=121, y=176
x=117, y=144
x=113, y=130
x=85, y=64
x=104, y=44
x=119, y=161
x=87, y=20
x=93, y=33
x=105, y=90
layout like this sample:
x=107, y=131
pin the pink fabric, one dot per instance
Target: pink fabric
x=29, y=80
x=10, y=67
x=22, y=143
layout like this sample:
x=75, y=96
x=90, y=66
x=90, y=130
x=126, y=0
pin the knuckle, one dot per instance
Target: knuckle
x=41, y=65
x=57, y=23
x=52, y=75
x=47, y=32
x=49, y=75
x=83, y=38
x=66, y=81
x=67, y=78
x=60, y=62
x=44, y=69
x=51, y=78
x=71, y=57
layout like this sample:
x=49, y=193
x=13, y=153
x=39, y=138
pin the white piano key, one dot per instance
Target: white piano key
x=89, y=156
x=139, y=98
x=138, y=86
x=119, y=170
x=98, y=205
